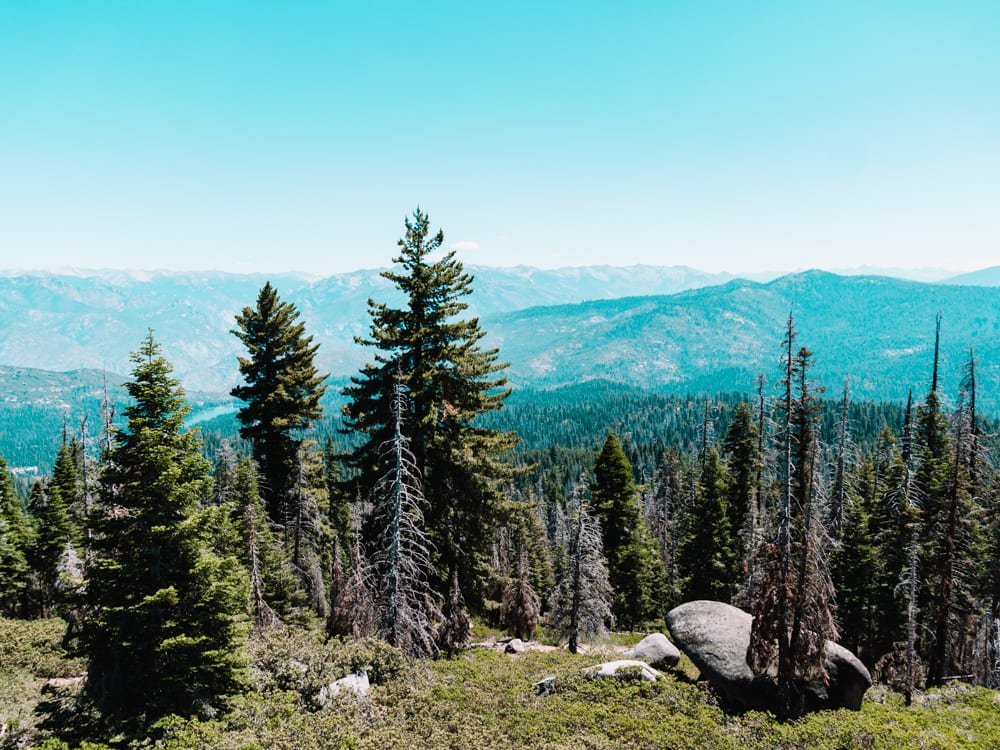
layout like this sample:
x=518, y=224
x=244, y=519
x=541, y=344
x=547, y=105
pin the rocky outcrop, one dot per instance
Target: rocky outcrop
x=657, y=651
x=715, y=636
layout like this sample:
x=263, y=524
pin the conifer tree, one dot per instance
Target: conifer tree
x=662, y=513
x=793, y=598
x=407, y=608
x=580, y=603
x=163, y=634
x=15, y=541
x=49, y=506
x=275, y=595
x=705, y=557
x=959, y=573
x=893, y=524
x=741, y=447
x=338, y=501
x=521, y=605
x=853, y=572
x=451, y=382
x=455, y=630
x=634, y=568
x=282, y=392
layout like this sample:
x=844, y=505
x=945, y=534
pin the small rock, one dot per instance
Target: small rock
x=356, y=683
x=514, y=646
x=546, y=686
x=656, y=650
x=624, y=668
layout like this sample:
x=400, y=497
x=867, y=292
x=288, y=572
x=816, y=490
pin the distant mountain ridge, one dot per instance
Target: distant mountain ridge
x=82, y=319
x=983, y=277
x=654, y=327
x=874, y=331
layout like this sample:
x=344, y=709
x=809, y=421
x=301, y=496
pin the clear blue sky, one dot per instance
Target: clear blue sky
x=270, y=136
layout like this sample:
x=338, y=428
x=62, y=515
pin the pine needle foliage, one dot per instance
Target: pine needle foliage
x=451, y=382
x=164, y=629
x=282, y=392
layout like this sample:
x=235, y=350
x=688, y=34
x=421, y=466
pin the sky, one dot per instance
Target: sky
x=296, y=136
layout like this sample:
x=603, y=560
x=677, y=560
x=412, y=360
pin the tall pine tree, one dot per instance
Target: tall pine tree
x=282, y=392
x=163, y=634
x=450, y=381
x=635, y=568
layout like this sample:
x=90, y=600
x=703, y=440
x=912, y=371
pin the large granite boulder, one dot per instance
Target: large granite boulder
x=657, y=651
x=715, y=636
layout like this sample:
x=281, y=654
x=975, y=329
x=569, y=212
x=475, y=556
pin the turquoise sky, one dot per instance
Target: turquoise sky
x=295, y=136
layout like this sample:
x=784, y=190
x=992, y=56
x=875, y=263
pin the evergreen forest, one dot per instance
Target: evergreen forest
x=169, y=585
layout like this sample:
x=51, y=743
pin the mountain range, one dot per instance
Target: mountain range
x=875, y=332
x=670, y=329
x=94, y=319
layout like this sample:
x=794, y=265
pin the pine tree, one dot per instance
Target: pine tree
x=275, y=593
x=580, y=604
x=662, y=513
x=521, y=605
x=338, y=501
x=55, y=530
x=407, y=608
x=451, y=382
x=163, y=635
x=793, y=598
x=705, y=557
x=305, y=529
x=741, y=447
x=634, y=568
x=959, y=570
x=853, y=572
x=282, y=392
x=455, y=630
x=15, y=541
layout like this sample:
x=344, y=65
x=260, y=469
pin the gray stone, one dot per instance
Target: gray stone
x=546, y=686
x=715, y=636
x=356, y=683
x=624, y=668
x=514, y=646
x=656, y=651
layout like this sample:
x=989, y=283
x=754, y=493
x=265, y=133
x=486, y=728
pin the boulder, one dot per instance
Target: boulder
x=356, y=683
x=546, y=685
x=656, y=651
x=625, y=669
x=715, y=636
x=514, y=646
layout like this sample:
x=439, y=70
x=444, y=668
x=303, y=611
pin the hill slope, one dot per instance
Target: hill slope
x=875, y=330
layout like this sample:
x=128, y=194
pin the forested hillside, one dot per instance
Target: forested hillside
x=827, y=470
x=876, y=332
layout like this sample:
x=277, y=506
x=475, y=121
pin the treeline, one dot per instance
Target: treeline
x=443, y=496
